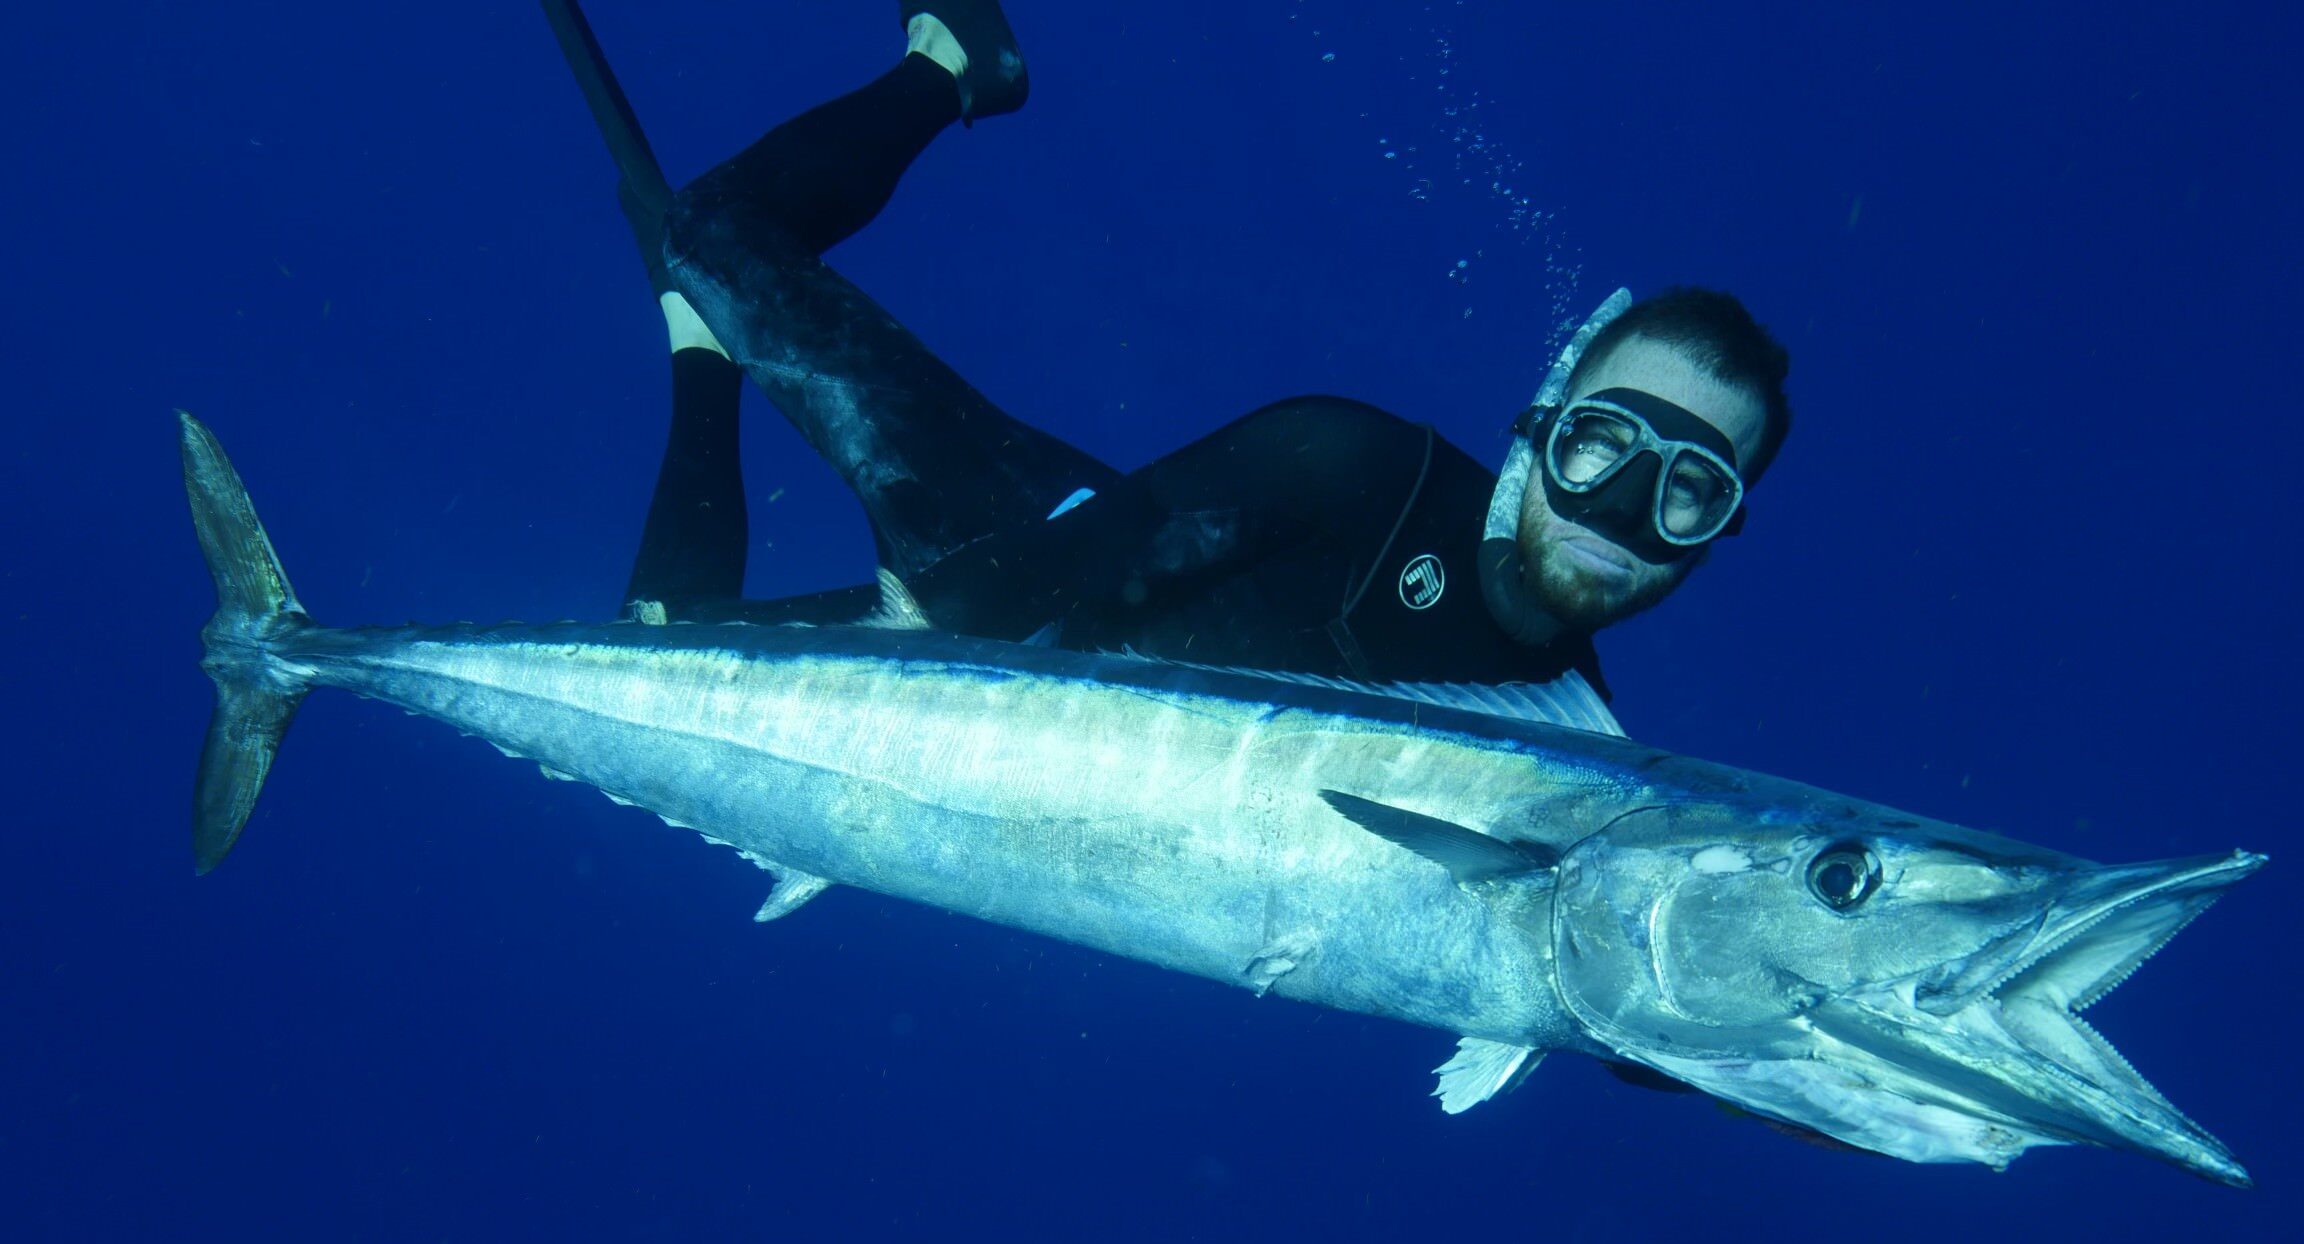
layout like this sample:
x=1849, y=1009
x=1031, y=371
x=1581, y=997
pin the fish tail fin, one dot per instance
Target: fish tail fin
x=256, y=693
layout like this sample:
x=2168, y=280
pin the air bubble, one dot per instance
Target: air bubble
x=1476, y=164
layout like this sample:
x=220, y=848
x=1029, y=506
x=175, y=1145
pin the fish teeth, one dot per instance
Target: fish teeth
x=2042, y=954
x=2114, y=981
x=2096, y=992
x=2112, y=1052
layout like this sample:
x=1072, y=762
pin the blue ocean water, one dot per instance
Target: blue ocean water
x=2028, y=563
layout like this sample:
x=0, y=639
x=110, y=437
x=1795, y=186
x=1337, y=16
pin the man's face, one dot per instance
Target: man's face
x=1583, y=578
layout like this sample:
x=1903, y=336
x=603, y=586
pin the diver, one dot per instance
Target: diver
x=1317, y=535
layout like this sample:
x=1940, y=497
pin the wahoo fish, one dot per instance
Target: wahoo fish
x=1500, y=864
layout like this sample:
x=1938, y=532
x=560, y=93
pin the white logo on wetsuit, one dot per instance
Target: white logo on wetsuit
x=1421, y=582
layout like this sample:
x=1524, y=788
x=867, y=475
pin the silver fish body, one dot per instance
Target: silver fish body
x=1461, y=858
x=1166, y=813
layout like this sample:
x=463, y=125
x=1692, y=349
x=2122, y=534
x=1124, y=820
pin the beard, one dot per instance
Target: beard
x=1578, y=596
x=1586, y=601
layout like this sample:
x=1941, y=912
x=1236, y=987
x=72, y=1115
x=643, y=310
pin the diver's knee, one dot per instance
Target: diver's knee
x=729, y=234
x=689, y=219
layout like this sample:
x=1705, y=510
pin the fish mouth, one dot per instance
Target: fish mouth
x=2062, y=1081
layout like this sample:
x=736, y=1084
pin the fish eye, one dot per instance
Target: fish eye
x=1843, y=875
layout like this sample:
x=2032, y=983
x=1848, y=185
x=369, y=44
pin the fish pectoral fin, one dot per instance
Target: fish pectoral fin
x=1480, y=1070
x=1467, y=854
x=792, y=888
x=1284, y=954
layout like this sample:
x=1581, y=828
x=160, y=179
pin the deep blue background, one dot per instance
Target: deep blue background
x=2028, y=563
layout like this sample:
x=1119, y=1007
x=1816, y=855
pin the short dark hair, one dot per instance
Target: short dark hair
x=1717, y=334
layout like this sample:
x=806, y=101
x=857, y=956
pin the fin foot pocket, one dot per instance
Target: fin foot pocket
x=994, y=81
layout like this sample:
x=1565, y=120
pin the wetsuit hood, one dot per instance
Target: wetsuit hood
x=1501, y=585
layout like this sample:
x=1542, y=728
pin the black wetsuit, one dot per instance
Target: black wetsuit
x=1317, y=535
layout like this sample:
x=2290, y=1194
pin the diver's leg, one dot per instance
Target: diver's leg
x=693, y=544
x=936, y=465
x=826, y=173
x=692, y=547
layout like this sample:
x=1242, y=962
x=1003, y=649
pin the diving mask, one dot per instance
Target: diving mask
x=1641, y=471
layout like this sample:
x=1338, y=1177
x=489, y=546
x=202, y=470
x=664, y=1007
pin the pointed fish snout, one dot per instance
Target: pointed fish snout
x=2199, y=878
x=2150, y=902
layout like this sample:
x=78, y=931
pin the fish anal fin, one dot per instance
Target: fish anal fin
x=1480, y=1070
x=1284, y=954
x=792, y=889
x=1467, y=854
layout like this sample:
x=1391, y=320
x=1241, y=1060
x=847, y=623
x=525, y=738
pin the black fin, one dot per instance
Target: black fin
x=644, y=184
x=1467, y=854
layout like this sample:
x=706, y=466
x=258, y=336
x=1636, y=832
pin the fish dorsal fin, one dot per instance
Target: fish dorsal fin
x=897, y=611
x=1480, y=1070
x=1467, y=854
x=1564, y=701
